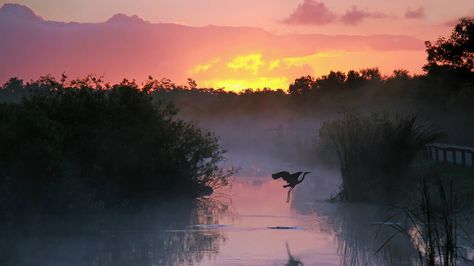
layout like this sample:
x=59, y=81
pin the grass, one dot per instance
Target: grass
x=434, y=225
x=374, y=152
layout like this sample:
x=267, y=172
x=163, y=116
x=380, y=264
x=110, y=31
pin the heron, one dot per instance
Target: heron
x=291, y=180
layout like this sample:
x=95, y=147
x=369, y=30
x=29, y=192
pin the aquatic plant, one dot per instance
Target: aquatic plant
x=433, y=225
x=374, y=151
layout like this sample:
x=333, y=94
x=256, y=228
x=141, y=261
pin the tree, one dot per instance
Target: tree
x=302, y=85
x=455, y=53
x=372, y=74
x=354, y=79
x=400, y=74
x=332, y=81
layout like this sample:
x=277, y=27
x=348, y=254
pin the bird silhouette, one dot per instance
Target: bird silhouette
x=291, y=180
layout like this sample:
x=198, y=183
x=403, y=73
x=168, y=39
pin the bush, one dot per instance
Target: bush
x=71, y=144
x=374, y=152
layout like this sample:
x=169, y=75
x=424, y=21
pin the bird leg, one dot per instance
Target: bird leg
x=288, y=197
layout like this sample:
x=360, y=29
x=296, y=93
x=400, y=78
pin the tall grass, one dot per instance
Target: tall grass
x=433, y=226
x=374, y=152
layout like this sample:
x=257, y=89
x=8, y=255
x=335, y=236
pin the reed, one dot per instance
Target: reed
x=374, y=151
x=433, y=225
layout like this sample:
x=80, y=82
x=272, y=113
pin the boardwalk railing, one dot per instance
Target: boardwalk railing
x=452, y=154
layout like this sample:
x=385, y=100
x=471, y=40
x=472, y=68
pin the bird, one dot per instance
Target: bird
x=291, y=180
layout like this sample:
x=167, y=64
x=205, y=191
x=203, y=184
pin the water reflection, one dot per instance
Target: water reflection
x=249, y=225
x=360, y=232
x=292, y=261
x=145, y=235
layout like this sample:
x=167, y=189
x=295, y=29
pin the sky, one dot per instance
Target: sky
x=420, y=19
x=426, y=19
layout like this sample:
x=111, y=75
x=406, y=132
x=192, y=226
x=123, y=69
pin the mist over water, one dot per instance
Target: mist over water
x=248, y=223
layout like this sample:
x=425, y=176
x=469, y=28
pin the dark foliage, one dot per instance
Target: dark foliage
x=77, y=143
x=455, y=53
x=434, y=225
x=451, y=61
x=374, y=152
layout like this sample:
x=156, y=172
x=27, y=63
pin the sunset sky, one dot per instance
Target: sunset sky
x=264, y=64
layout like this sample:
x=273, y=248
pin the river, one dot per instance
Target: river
x=249, y=223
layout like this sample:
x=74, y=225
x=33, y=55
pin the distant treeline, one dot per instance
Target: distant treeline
x=66, y=146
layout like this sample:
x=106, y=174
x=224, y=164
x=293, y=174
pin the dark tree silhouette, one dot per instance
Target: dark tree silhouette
x=332, y=81
x=302, y=85
x=457, y=52
x=74, y=143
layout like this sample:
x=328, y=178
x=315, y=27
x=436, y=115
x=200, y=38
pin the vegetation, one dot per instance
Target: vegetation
x=455, y=53
x=73, y=144
x=374, y=152
x=434, y=225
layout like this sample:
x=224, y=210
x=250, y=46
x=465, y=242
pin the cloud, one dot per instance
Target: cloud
x=311, y=12
x=204, y=67
x=355, y=15
x=251, y=62
x=417, y=13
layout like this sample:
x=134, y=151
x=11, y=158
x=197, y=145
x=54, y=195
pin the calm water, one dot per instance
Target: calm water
x=249, y=224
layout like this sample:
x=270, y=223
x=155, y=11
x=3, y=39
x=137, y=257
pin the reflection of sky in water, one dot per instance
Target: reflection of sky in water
x=260, y=203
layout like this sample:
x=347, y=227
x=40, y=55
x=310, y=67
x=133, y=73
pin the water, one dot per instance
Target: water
x=248, y=224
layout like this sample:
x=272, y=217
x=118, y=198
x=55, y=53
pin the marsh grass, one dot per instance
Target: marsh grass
x=375, y=151
x=433, y=226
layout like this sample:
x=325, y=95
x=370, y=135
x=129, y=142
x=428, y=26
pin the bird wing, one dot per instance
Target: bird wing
x=282, y=174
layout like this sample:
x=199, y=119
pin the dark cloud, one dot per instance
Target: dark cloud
x=355, y=15
x=417, y=13
x=311, y=12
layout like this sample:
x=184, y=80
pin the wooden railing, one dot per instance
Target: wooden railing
x=452, y=154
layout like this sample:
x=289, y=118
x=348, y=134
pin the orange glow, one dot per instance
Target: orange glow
x=256, y=70
x=251, y=62
x=252, y=82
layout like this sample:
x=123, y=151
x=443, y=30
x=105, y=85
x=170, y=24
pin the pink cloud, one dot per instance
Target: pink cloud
x=311, y=12
x=356, y=15
x=417, y=13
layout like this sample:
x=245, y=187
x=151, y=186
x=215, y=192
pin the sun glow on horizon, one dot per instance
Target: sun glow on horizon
x=238, y=85
x=257, y=71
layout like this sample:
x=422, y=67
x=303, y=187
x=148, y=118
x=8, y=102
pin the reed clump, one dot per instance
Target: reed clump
x=434, y=225
x=375, y=151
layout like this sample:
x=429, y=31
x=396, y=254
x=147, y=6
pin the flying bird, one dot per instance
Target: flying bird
x=291, y=180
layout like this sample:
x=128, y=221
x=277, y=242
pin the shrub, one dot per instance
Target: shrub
x=71, y=143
